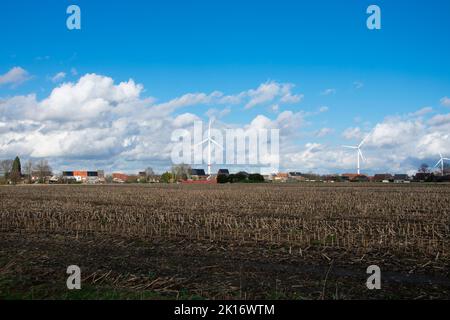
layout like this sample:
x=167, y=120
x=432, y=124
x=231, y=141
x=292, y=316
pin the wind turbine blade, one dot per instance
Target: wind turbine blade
x=350, y=147
x=363, y=141
x=213, y=141
x=440, y=155
x=438, y=163
x=200, y=143
x=447, y=159
x=360, y=153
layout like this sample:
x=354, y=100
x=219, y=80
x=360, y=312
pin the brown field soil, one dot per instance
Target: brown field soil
x=242, y=241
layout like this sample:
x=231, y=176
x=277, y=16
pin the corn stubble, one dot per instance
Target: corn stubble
x=412, y=219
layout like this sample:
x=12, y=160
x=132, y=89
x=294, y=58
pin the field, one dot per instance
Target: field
x=242, y=241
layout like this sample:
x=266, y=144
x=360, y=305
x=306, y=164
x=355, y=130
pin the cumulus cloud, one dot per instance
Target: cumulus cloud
x=77, y=120
x=14, y=77
x=401, y=143
x=395, y=132
x=319, y=158
x=88, y=98
x=185, y=119
x=99, y=123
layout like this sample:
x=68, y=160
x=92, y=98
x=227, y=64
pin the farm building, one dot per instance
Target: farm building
x=424, y=177
x=354, y=177
x=84, y=176
x=383, y=177
x=401, y=178
x=348, y=176
x=35, y=176
x=224, y=172
x=120, y=177
x=296, y=177
x=198, y=174
x=332, y=178
x=281, y=177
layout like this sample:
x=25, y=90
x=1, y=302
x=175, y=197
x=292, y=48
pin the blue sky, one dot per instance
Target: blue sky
x=177, y=47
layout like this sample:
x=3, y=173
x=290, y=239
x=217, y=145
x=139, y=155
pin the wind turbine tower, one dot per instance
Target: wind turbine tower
x=359, y=154
x=210, y=141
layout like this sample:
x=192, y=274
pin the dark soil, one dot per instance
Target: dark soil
x=34, y=266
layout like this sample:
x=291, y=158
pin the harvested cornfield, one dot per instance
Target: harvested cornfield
x=229, y=241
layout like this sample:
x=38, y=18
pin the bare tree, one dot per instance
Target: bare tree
x=6, y=167
x=43, y=170
x=150, y=174
x=446, y=169
x=181, y=171
x=28, y=170
x=424, y=168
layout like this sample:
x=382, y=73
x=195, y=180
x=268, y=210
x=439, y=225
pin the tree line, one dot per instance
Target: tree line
x=12, y=171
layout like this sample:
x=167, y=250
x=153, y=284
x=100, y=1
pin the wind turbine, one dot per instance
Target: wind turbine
x=209, y=140
x=359, y=154
x=441, y=162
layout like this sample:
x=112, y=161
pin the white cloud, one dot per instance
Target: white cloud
x=14, y=77
x=395, y=132
x=445, y=101
x=190, y=99
x=328, y=92
x=186, y=119
x=421, y=112
x=58, y=77
x=323, y=109
x=97, y=122
x=217, y=113
x=324, y=132
x=270, y=91
x=440, y=120
x=86, y=99
x=266, y=93
x=275, y=108
x=101, y=124
x=400, y=144
x=352, y=133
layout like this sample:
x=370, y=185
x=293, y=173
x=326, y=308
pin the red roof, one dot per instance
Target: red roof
x=120, y=176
